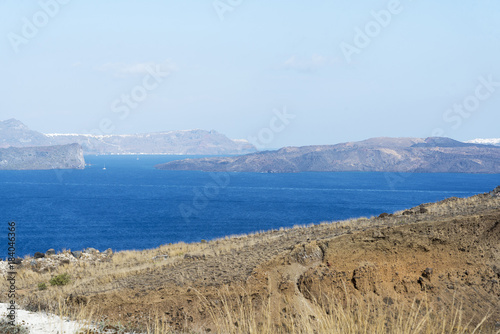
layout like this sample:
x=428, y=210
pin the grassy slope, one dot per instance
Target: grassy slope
x=434, y=264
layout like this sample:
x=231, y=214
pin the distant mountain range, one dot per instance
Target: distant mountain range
x=14, y=133
x=42, y=157
x=430, y=155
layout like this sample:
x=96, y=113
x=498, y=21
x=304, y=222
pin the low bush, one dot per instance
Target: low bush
x=61, y=279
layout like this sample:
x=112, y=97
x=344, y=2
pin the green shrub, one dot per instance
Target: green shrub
x=42, y=286
x=62, y=279
x=203, y=241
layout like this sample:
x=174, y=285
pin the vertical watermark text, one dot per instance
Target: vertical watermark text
x=11, y=273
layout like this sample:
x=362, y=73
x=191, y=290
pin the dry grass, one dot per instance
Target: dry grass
x=344, y=315
x=247, y=315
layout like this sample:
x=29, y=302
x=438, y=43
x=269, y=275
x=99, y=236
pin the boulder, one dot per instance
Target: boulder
x=364, y=278
x=161, y=257
x=39, y=255
x=76, y=254
x=50, y=252
x=194, y=257
x=306, y=253
x=90, y=250
x=427, y=273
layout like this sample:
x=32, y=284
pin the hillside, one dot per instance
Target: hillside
x=14, y=133
x=431, y=155
x=42, y=157
x=186, y=142
x=418, y=268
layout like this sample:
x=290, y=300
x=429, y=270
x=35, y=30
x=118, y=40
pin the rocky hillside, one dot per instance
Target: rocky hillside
x=187, y=142
x=43, y=157
x=431, y=155
x=435, y=259
x=14, y=133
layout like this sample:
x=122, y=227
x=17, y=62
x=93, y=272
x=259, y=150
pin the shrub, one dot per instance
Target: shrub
x=61, y=279
x=6, y=328
x=42, y=286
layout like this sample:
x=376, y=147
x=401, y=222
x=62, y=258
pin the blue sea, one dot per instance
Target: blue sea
x=131, y=205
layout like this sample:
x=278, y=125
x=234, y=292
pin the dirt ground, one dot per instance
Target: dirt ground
x=442, y=254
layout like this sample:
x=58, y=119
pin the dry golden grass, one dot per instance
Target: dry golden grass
x=345, y=315
x=341, y=315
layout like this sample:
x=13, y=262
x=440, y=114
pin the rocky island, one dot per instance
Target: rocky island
x=414, y=155
x=42, y=157
x=182, y=142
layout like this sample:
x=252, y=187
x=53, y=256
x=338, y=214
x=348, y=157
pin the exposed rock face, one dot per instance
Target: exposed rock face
x=44, y=157
x=431, y=155
x=187, y=142
x=445, y=258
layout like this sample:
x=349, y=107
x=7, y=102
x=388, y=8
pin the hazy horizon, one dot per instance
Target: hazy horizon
x=265, y=148
x=290, y=74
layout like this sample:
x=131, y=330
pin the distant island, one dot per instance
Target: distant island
x=42, y=157
x=14, y=133
x=430, y=155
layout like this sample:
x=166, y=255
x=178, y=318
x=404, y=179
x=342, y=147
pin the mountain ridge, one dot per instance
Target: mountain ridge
x=383, y=154
x=13, y=133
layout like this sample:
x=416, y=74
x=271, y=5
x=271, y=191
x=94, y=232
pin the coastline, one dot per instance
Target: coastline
x=428, y=250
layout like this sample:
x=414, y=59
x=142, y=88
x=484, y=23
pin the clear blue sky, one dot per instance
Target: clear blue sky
x=71, y=72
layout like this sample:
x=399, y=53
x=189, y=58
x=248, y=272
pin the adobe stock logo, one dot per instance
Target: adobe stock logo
x=139, y=93
x=31, y=26
x=469, y=104
x=223, y=6
x=455, y=116
x=363, y=37
x=203, y=196
x=277, y=124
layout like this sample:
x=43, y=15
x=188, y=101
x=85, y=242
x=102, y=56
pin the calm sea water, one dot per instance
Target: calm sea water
x=130, y=205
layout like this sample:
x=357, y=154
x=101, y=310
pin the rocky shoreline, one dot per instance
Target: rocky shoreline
x=50, y=260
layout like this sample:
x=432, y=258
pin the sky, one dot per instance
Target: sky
x=278, y=73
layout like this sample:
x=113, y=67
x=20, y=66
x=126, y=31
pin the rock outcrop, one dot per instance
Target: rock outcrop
x=44, y=157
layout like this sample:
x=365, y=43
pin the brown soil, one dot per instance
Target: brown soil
x=441, y=254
